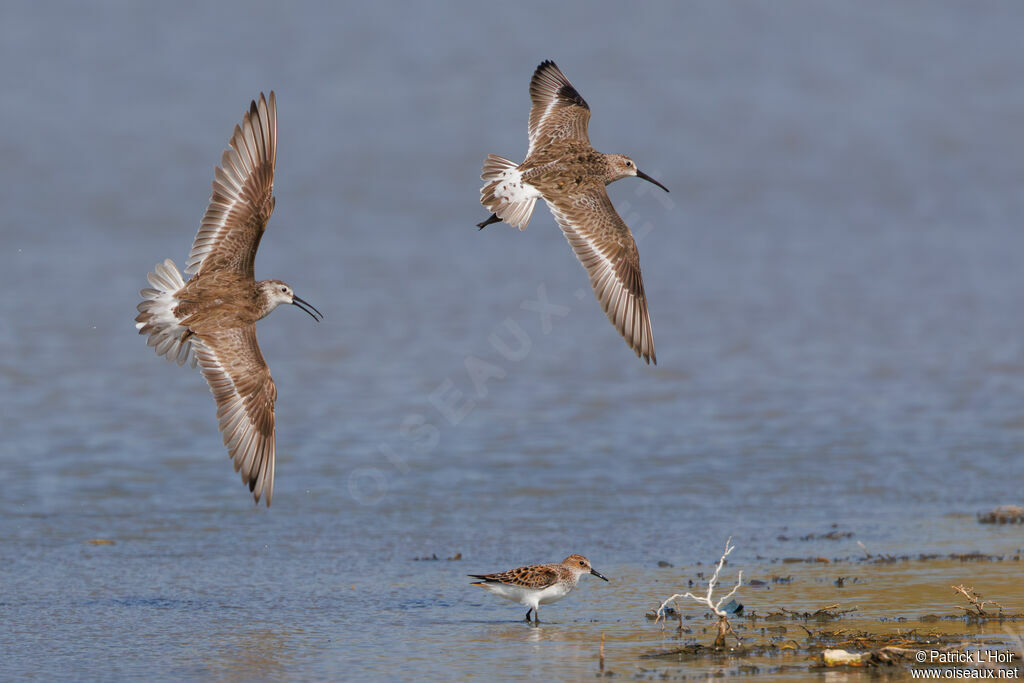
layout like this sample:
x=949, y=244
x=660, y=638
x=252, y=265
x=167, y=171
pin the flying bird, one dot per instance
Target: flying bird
x=564, y=170
x=211, y=318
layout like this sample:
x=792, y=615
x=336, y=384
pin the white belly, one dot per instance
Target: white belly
x=554, y=593
x=529, y=596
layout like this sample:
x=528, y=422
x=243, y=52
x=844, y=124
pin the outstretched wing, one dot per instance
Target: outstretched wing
x=558, y=111
x=245, y=393
x=605, y=246
x=242, y=198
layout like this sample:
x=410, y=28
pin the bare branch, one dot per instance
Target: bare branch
x=708, y=599
x=975, y=600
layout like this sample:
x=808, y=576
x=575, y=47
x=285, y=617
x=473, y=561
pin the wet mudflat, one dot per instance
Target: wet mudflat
x=868, y=616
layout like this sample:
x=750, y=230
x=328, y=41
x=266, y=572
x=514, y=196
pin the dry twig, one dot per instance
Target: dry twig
x=724, y=627
x=975, y=600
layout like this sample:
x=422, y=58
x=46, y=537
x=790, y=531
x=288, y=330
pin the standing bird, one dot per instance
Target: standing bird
x=566, y=172
x=537, y=584
x=211, y=319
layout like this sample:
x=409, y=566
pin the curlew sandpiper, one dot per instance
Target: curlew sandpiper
x=564, y=170
x=211, y=319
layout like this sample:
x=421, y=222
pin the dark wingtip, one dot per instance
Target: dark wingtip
x=266, y=99
x=648, y=358
x=569, y=94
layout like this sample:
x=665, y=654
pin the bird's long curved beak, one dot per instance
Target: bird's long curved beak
x=598, y=574
x=307, y=307
x=641, y=174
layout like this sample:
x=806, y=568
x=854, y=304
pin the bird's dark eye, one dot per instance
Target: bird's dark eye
x=582, y=563
x=284, y=289
x=628, y=164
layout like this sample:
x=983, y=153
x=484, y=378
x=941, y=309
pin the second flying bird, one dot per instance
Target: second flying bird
x=564, y=170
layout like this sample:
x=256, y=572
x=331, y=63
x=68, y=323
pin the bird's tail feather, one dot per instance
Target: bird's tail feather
x=156, y=315
x=505, y=193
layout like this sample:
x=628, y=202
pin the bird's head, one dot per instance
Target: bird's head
x=623, y=167
x=275, y=293
x=580, y=565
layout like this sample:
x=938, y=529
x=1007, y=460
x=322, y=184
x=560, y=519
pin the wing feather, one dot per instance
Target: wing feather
x=240, y=380
x=604, y=245
x=534, y=576
x=557, y=112
x=242, y=197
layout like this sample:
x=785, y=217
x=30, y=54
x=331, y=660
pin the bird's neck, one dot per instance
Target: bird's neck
x=266, y=302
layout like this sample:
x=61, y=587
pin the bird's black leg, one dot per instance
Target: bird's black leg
x=528, y=615
x=493, y=219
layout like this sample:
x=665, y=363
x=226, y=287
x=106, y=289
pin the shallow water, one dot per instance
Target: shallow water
x=835, y=287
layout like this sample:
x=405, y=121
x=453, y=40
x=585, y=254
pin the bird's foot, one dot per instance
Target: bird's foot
x=493, y=219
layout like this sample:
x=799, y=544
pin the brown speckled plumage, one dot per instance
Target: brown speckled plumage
x=570, y=175
x=538, y=584
x=532, y=576
x=210, y=319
